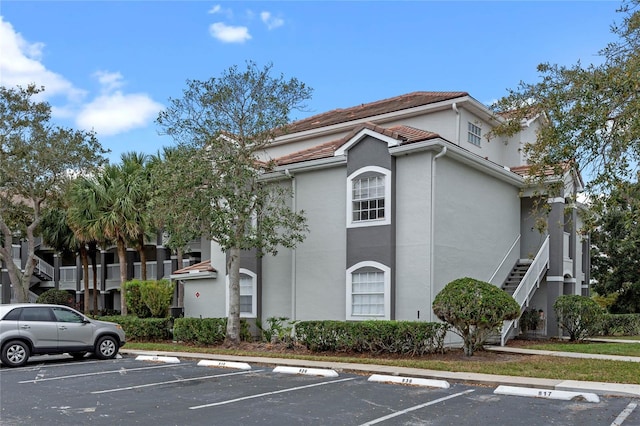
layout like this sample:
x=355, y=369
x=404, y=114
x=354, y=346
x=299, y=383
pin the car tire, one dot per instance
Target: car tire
x=106, y=347
x=15, y=353
x=77, y=355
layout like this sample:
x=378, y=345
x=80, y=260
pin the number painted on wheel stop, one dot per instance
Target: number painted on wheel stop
x=407, y=381
x=302, y=371
x=544, y=394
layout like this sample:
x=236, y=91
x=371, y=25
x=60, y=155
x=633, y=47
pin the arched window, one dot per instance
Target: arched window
x=368, y=291
x=248, y=294
x=369, y=197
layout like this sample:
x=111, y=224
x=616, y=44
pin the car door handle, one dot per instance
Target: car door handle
x=62, y=327
x=25, y=327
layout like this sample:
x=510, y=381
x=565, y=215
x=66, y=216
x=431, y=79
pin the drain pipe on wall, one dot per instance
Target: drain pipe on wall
x=432, y=274
x=293, y=250
x=455, y=109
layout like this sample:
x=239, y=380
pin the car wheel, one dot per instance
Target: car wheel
x=106, y=347
x=77, y=355
x=15, y=353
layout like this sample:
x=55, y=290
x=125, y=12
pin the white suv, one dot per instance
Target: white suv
x=28, y=329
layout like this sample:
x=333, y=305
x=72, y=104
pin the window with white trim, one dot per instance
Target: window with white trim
x=368, y=197
x=368, y=291
x=474, y=134
x=248, y=294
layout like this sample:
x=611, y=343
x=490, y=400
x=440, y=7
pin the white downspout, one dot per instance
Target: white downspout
x=293, y=250
x=432, y=275
x=455, y=108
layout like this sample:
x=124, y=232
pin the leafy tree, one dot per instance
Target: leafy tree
x=578, y=315
x=590, y=113
x=475, y=309
x=615, y=240
x=36, y=158
x=173, y=202
x=227, y=123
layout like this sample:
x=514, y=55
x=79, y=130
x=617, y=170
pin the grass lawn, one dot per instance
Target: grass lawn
x=625, y=349
x=481, y=362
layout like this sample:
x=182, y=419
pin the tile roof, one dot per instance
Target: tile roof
x=204, y=266
x=548, y=171
x=371, y=109
x=404, y=134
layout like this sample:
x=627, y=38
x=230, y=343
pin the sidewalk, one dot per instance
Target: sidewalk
x=472, y=378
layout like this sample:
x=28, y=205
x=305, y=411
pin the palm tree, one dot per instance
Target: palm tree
x=56, y=232
x=135, y=173
x=82, y=211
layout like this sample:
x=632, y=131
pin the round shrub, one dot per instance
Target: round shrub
x=57, y=297
x=475, y=309
x=579, y=316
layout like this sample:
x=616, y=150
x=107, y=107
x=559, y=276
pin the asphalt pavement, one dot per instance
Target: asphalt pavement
x=601, y=388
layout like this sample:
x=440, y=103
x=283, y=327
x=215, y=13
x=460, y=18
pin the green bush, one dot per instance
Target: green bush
x=278, y=329
x=620, y=325
x=57, y=297
x=376, y=337
x=579, y=316
x=157, y=295
x=200, y=331
x=475, y=309
x=133, y=297
x=143, y=329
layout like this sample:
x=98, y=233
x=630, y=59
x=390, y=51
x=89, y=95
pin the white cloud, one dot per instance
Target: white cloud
x=228, y=33
x=114, y=113
x=215, y=9
x=20, y=64
x=109, y=80
x=271, y=21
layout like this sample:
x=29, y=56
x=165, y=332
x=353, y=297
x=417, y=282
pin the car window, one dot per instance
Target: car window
x=36, y=314
x=13, y=315
x=65, y=315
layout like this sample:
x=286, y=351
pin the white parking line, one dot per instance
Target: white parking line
x=625, y=413
x=148, y=385
x=416, y=407
x=260, y=395
x=99, y=373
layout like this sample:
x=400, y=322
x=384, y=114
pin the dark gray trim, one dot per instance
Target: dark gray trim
x=374, y=243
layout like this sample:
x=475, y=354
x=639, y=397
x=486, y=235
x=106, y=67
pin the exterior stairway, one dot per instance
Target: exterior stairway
x=516, y=275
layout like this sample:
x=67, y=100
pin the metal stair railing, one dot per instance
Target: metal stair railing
x=529, y=283
x=44, y=268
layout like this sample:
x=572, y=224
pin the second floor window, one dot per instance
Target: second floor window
x=475, y=134
x=368, y=198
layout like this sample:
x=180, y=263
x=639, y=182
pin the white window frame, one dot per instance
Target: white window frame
x=387, y=291
x=254, y=294
x=387, y=197
x=474, y=134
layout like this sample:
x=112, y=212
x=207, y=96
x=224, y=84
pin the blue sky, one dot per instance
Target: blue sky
x=112, y=65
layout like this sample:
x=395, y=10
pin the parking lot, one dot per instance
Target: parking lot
x=58, y=390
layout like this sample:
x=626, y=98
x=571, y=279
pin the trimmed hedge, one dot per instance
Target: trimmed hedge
x=200, y=331
x=143, y=329
x=377, y=337
x=620, y=325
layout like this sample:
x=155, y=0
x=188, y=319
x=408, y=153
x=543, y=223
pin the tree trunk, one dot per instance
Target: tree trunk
x=93, y=252
x=122, y=258
x=233, y=321
x=143, y=258
x=85, y=278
